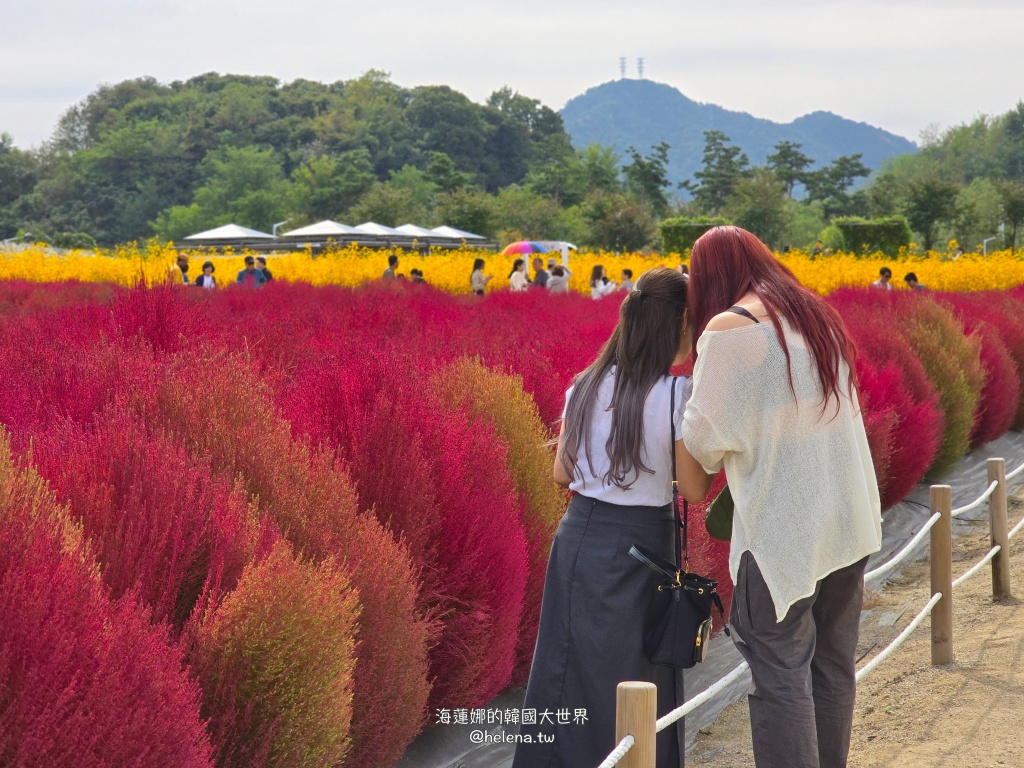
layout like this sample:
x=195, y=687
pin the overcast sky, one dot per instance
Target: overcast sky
x=902, y=65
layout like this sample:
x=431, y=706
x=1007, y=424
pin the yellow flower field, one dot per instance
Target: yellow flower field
x=450, y=270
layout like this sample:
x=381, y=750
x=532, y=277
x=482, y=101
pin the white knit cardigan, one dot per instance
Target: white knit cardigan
x=806, y=498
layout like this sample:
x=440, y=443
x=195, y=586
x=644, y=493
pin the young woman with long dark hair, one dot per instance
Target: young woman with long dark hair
x=614, y=451
x=775, y=403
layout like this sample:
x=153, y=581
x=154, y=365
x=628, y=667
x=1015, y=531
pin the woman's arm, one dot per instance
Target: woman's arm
x=693, y=481
x=561, y=476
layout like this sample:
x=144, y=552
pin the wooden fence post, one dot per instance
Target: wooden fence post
x=1000, y=530
x=942, y=574
x=636, y=712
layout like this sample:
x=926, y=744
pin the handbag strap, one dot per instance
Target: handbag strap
x=682, y=524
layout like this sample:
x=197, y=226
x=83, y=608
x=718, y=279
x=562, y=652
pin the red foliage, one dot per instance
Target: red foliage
x=83, y=681
x=223, y=411
x=987, y=317
x=442, y=483
x=160, y=522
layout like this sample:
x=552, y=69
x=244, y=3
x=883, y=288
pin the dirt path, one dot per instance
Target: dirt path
x=910, y=714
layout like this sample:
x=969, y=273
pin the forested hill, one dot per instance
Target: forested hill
x=642, y=113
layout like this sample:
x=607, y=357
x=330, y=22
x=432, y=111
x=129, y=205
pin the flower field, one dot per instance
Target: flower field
x=450, y=270
x=283, y=527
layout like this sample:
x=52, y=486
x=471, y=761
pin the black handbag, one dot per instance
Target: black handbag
x=679, y=616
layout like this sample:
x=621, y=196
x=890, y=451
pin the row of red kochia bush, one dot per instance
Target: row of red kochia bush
x=318, y=515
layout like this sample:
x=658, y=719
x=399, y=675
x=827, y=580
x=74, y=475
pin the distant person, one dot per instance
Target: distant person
x=884, y=276
x=517, y=277
x=627, y=281
x=682, y=269
x=250, y=277
x=911, y=280
x=417, y=276
x=478, y=280
x=958, y=252
x=389, y=273
x=261, y=264
x=559, y=280
x=817, y=250
x=178, y=274
x=540, y=275
x=206, y=279
x=600, y=285
x=552, y=263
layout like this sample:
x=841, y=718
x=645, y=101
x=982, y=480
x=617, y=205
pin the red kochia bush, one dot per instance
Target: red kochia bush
x=982, y=316
x=443, y=484
x=83, y=681
x=159, y=521
x=499, y=401
x=218, y=407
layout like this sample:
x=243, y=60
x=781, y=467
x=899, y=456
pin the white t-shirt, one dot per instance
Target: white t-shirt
x=806, y=498
x=649, y=490
x=602, y=289
x=517, y=282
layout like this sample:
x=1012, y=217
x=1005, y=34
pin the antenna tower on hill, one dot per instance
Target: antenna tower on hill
x=640, y=67
x=622, y=67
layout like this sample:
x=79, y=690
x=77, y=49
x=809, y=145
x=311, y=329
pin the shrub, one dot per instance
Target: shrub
x=443, y=485
x=862, y=236
x=297, y=621
x=500, y=401
x=994, y=321
x=160, y=522
x=679, y=234
x=218, y=407
x=83, y=680
x=951, y=361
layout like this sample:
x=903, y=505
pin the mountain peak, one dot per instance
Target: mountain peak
x=643, y=113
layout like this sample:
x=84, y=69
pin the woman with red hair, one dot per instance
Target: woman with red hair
x=775, y=404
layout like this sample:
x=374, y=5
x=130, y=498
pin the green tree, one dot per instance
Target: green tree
x=829, y=185
x=1011, y=193
x=442, y=172
x=471, y=210
x=758, y=204
x=323, y=186
x=618, y=222
x=789, y=164
x=647, y=178
x=243, y=185
x=722, y=165
x=928, y=202
x=527, y=215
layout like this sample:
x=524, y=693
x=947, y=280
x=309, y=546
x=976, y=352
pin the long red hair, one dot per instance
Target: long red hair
x=728, y=262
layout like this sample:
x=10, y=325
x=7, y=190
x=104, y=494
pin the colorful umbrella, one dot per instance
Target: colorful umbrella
x=523, y=246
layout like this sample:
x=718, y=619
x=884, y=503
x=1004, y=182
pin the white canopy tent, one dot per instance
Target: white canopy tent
x=373, y=228
x=458, y=234
x=230, y=232
x=325, y=228
x=414, y=231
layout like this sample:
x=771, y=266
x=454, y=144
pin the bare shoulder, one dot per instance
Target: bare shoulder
x=725, y=321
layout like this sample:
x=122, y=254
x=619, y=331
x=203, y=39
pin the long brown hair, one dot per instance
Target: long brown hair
x=642, y=347
x=728, y=262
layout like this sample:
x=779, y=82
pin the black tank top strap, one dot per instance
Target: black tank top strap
x=742, y=311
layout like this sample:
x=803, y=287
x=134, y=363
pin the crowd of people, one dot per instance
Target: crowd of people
x=254, y=275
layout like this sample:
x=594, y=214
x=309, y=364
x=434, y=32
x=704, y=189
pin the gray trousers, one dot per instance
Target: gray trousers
x=803, y=668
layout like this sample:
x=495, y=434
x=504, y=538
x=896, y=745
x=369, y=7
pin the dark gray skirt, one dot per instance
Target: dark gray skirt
x=591, y=636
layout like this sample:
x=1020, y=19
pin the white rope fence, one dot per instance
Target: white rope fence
x=977, y=502
x=883, y=655
x=618, y=753
x=700, y=699
x=979, y=565
x=704, y=697
x=900, y=556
